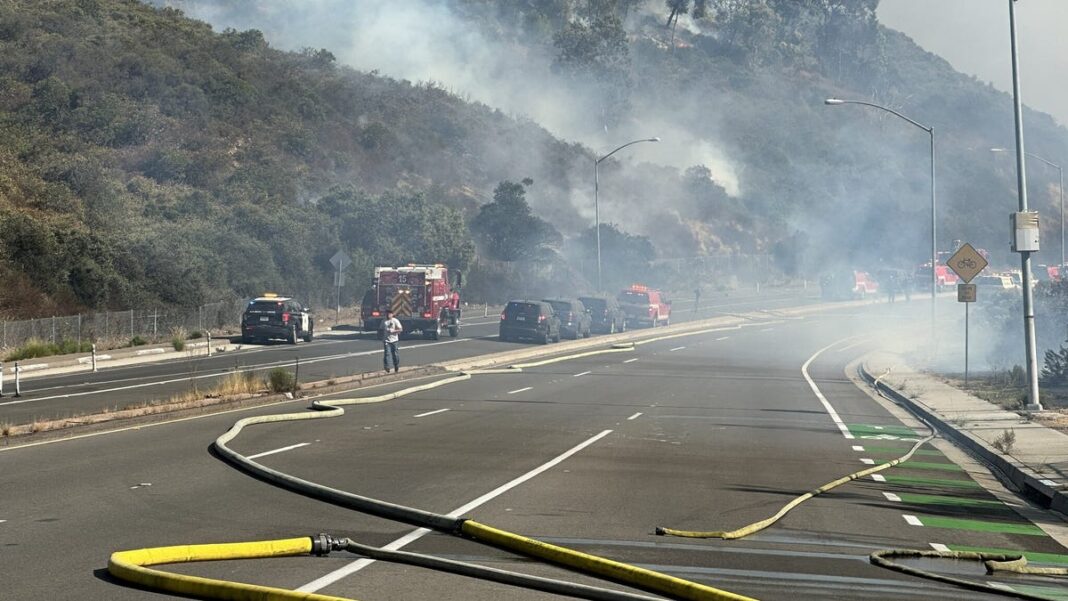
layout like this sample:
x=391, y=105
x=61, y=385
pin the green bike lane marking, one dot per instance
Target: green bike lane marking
x=920, y=499
x=1032, y=556
x=887, y=432
x=900, y=451
x=974, y=525
x=929, y=482
x=924, y=465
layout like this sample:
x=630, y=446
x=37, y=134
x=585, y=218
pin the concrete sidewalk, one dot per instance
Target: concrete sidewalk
x=1036, y=463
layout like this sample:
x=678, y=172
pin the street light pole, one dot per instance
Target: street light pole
x=934, y=195
x=1060, y=170
x=596, y=209
x=1033, y=401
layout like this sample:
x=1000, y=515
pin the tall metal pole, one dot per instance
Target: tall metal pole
x=1060, y=188
x=1033, y=400
x=596, y=210
x=934, y=238
x=597, y=220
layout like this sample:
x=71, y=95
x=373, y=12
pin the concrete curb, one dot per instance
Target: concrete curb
x=1023, y=478
x=64, y=364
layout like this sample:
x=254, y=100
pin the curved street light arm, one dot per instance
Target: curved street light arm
x=879, y=106
x=631, y=143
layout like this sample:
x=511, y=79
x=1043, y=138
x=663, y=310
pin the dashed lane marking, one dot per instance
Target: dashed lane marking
x=858, y=448
x=418, y=533
x=892, y=497
x=677, y=348
x=878, y=477
x=518, y=390
x=635, y=416
x=867, y=461
x=912, y=520
x=281, y=450
x=631, y=360
x=432, y=412
x=722, y=338
x=585, y=373
x=939, y=547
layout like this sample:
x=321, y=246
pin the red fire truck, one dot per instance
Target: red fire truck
x=420, y=296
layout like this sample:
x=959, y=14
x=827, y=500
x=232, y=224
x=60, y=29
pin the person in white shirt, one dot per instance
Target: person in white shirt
x=391, y=331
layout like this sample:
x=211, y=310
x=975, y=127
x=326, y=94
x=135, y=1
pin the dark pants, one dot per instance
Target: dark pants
x=390, y=351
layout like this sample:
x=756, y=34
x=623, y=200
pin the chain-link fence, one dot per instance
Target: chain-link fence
x=118, y=328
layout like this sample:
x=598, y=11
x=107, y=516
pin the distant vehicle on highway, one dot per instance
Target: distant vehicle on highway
x=276, y=317
x=945, y=277
x=424, y=298
x=574, y=319
x=645, y=306
x=606, y=315
x=994, y=282
x=532, y=320
x=847, y=285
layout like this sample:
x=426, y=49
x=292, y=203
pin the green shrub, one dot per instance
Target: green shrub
x=196, y=334
x=38, y=348
x=280, y=380
x=178, y=343
x=138, y=341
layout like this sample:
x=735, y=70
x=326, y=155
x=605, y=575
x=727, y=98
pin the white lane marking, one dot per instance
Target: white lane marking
x=892, y=497
x=432, y=412
x=2, y=521
x=767, y=329
x=225, y=373
x=722, y=338
x=912, y=520
x=878, y=477
x=281, y=450
x=631, y=360
x=520, y=390
x=585, y=373
x=854, y=345
x=867, y=461
x=677, y=348
x=877, y=427
x=819, y=395
x=857, y=447
x=635, y=416
x=415, y=535
x=939, y=547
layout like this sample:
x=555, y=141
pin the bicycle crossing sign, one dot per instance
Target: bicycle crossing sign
x=967, y=262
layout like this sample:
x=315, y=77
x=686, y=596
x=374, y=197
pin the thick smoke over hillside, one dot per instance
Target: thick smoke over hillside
x=431, y=41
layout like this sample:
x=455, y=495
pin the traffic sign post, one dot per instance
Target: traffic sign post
x=966, y=293
x=967, y=263
x=340, y=261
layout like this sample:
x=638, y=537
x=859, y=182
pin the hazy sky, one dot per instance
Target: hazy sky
x=973, y=35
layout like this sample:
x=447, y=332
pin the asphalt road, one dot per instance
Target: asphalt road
x=710, y=431
x=63, y=396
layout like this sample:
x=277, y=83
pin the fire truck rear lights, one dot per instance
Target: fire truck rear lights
x=376, y=313
x=639, y=288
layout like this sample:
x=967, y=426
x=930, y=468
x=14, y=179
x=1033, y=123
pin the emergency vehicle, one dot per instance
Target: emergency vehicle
x=847, y=285
x=420, y=296
x=272, y=316
x=644, y=305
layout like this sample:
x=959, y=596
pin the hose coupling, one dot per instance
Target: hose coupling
x=323, y=544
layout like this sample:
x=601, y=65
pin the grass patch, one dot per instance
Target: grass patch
x=138, y=341
x=239, y=383
x=178, y=336
x=38, y=348
x=280, y=380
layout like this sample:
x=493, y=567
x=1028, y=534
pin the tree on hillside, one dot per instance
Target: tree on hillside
x=596, y=50
x=507, y=230
x=624, y=257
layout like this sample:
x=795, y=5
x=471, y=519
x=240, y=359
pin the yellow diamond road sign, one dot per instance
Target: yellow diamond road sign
x=967, y=262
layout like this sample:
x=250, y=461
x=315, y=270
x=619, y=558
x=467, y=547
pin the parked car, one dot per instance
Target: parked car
x=533, y=320
x=273, y=316
x=847, y=285
x=574, y=319
x=606, y=316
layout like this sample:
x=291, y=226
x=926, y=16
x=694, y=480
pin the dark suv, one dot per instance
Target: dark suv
x=606, y=316
x=529, y=319
x=574, y=320
x=273, y=316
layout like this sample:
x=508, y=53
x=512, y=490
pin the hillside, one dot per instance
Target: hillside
x=148, y=157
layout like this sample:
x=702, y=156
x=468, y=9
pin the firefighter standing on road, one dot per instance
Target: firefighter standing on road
x=391, y=330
